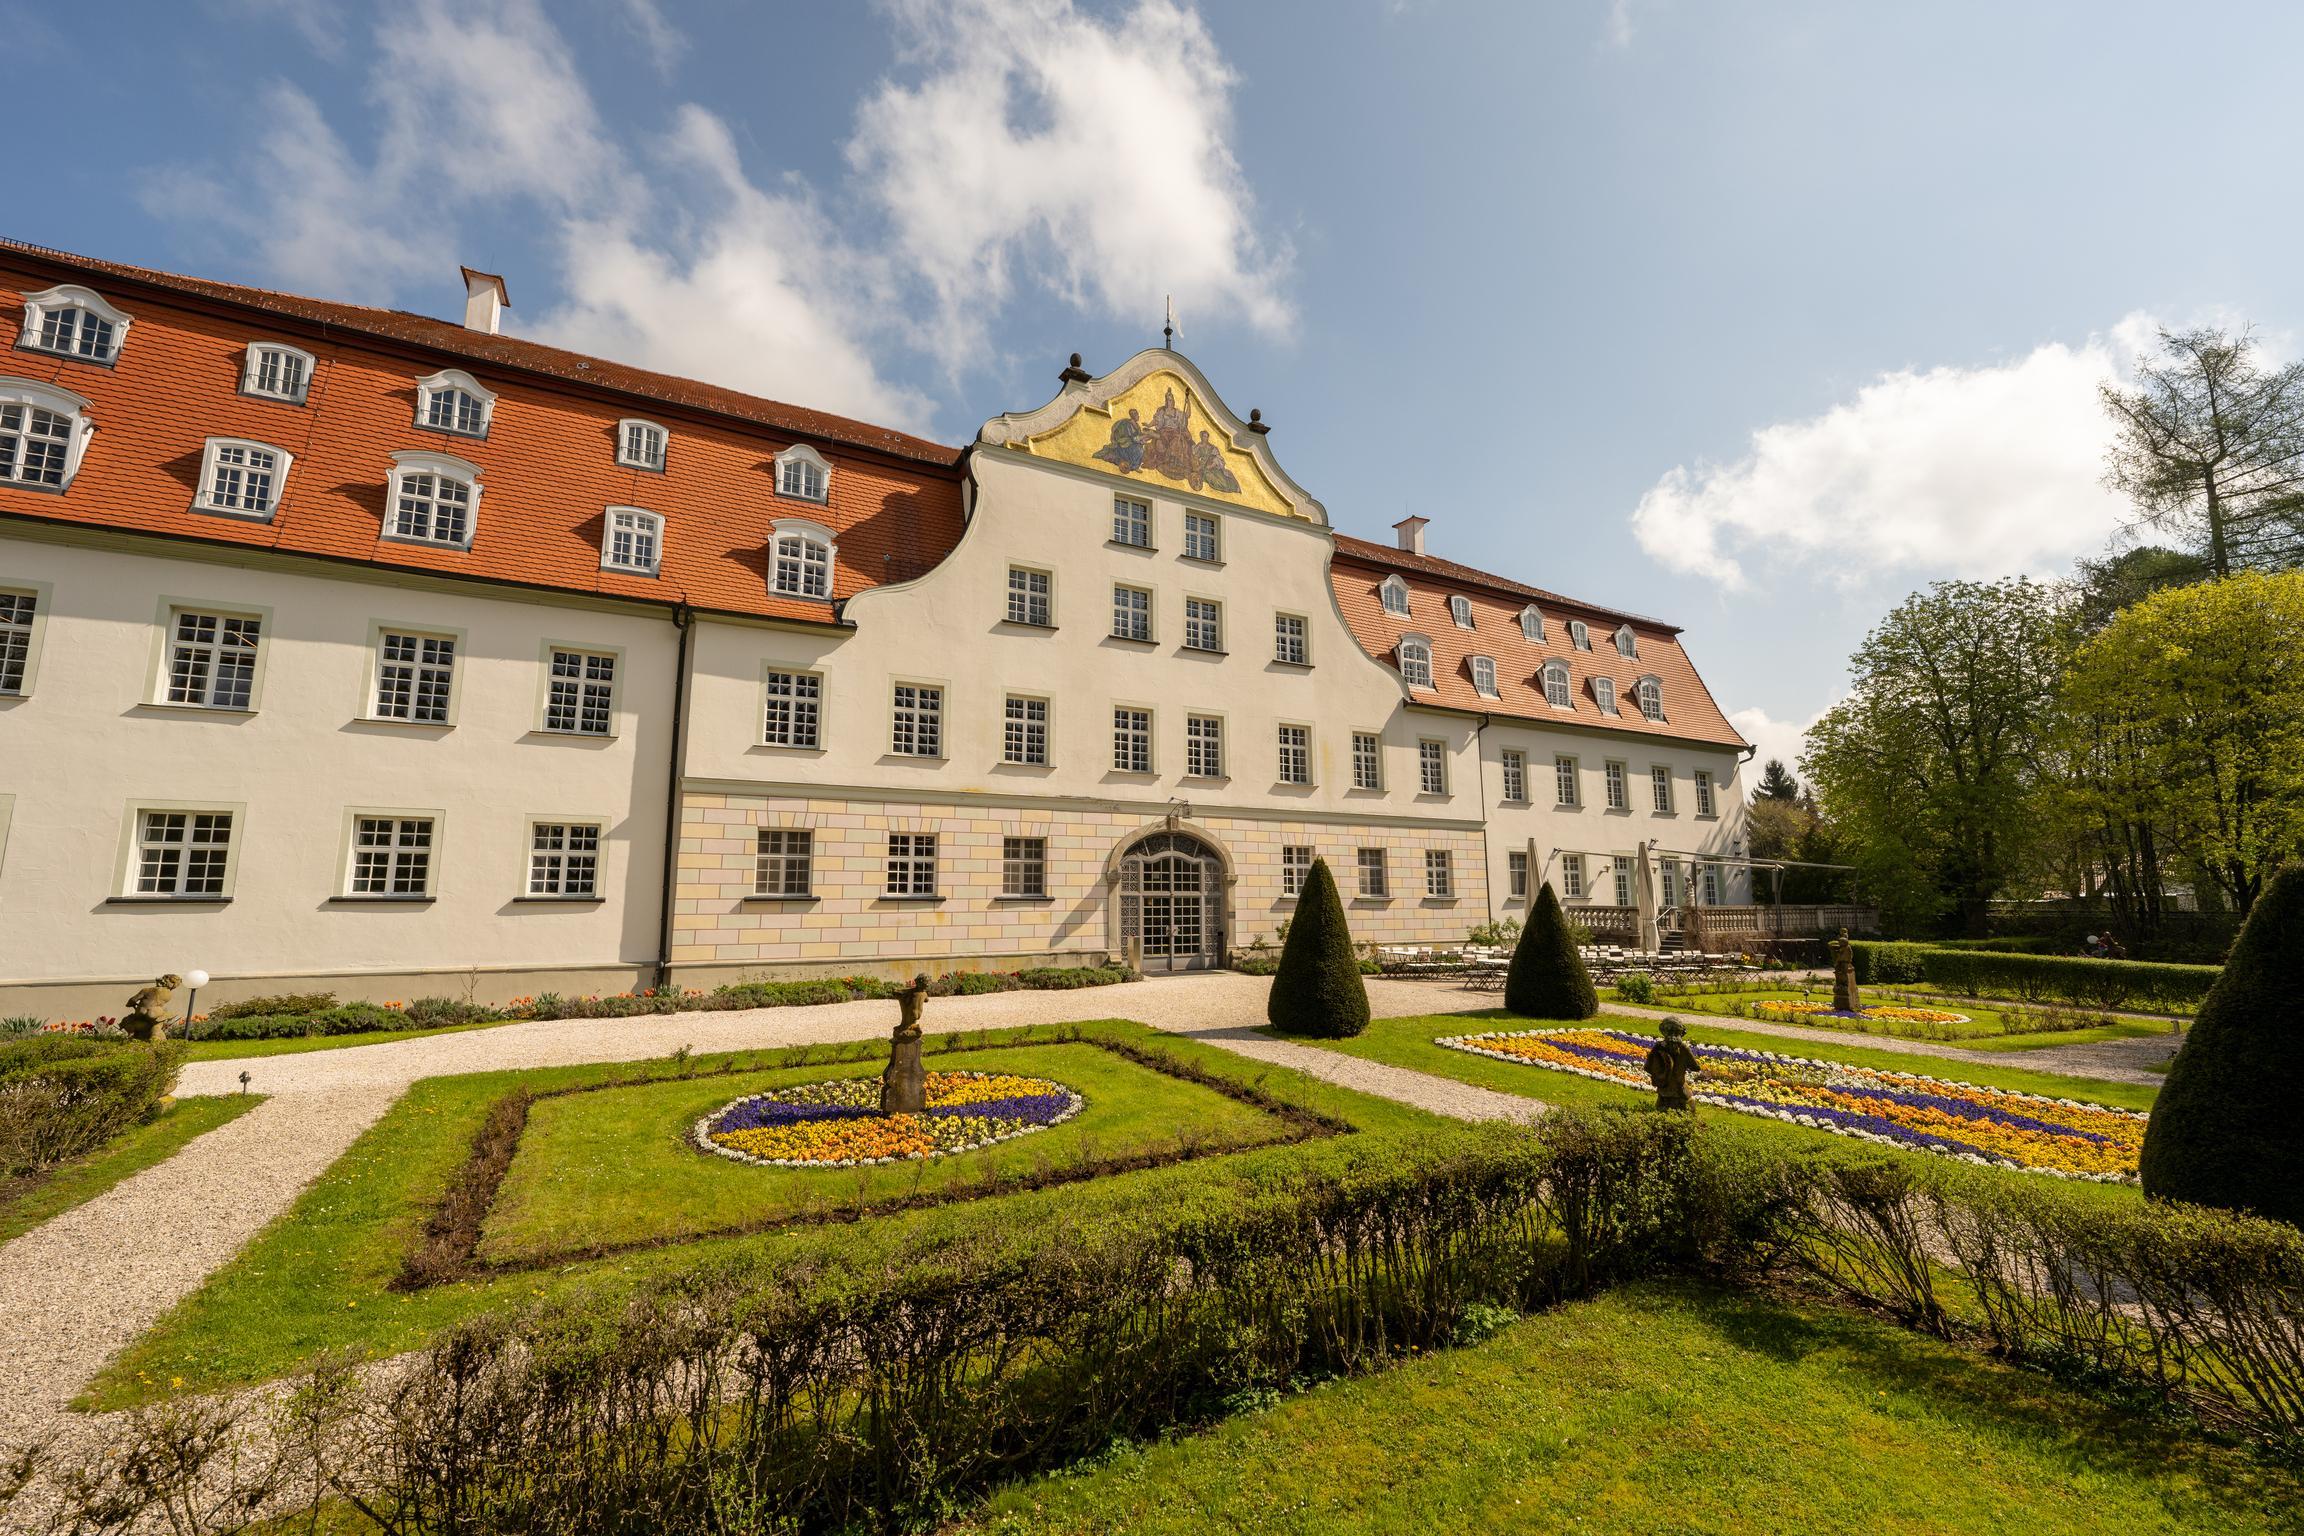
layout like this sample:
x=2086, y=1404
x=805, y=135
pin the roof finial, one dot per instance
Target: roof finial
x=1168, y=331
x=1256, y=421
x=1075, y=374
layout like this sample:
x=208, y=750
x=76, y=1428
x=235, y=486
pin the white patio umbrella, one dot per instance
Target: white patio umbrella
x=1644, y=897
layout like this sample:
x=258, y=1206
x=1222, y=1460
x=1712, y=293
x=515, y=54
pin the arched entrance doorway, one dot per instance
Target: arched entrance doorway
x=1172, y=902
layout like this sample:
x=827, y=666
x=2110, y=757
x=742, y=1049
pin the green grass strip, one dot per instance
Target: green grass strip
x=28, y=1202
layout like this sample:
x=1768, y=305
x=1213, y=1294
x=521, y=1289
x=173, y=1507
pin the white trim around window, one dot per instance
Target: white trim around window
x=632, y=541
x=208, y=655
x=803, y=559
x=71, y=321
x=242, y=478
x=44, y=435
x=1414, y=655
x=23, y=626
x=642, y=444
x=803, y=474
x=273, y=370
x=1394, y=596
x=179, y=851
x=1650, y=692
x=566, y=860
x=1291, y=640
x=412, y=675
x=1484, y=676
x=580, y=693
x=390, y=854
x=454, y=402
x=791, y=711
x=431, y=498
x=916, y=718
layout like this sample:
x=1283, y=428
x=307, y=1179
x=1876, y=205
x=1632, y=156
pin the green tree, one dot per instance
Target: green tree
x=2210, y=448
x=1792, y=831
x=2101, y=588
x=1929, y=768
x=1317, y=989
x=2200, y=692
x=1547, y=979
x=2228, y=1129
x=1776, y=782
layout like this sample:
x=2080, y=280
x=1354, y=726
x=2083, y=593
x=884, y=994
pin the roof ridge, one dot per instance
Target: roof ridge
x=1445, y=569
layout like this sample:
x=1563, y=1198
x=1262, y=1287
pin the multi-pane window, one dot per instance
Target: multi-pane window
x=1705, y=806
x=1028, y=601
x=1295, y=868
x=1131, y=522
x=1660, y=786
x=1619, y=794
x=1515, y=775
x=1131, y=613
x=1200, y=537
x=795, y=706
x=1203, y=624
x=35, y=444
x=1604, y=694
x=182, y=853
x=1627, y=643
x=432, y=507
x=1460, y=609
x=1432, y=767
x=1439, y=873
x=1295, y=754
x=1024, y=731
x=1516, y=873
x=783, y=861
x=564, y=859
x=277, y=373
x=1531, y=623
x=448, y=408
x=1394, y=593
x=1416, y=662
x=415, y=677
x=16, y=610
x=1578, y=635
x=1651, y=699
x=1669, y=874
x=1484, y=676
x=1556, y=685
x=581, y=695
x=911, y=864
x=1623, y=876
x=634, y=540
x=1571, y=874
x=391, y=855
x=1131, y=740
x=917, y=728
x=74, y=326
x=1288, y=643
x=1372, y=877
x=1204, y=746
x=802, y=476
x=1367, y=760
x=242, y=478
x=1564, y=780
x=802, y=566
x=1023, y=866
x=640, y=444
x=1711, y=884
x=212, y=659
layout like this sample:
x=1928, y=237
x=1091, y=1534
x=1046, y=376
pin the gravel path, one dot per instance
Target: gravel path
x=2112, y=1061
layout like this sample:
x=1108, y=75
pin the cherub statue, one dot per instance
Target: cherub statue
x=1844, y=995
x=1669, y=1063
x=904, y=1085
x=147, y=1018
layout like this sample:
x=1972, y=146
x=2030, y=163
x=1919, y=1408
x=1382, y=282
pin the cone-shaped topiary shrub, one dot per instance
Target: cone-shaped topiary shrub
x=2228, y=1129
x=1317, y=990
x=1548, y=979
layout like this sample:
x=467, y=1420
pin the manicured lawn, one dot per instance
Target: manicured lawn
x=317, y=1278
x=233, y=1050
x=1986, y=1029
x=26, y=1203
x=1670, y=1408
x=616, y=1166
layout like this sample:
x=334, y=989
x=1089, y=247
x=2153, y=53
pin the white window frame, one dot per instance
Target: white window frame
x=1709, y=882
x=1431, y=766
x=1566, y=776
x=913, y=867
x=20, y=640
x=379, y=634
x=811, y=535
x=1378, y=888
x=916, y=716
x=1604, y=694
x=164, y=670
x=1414, y=654
x=1032, y=602
x=434, y=385
x=1627, y=643
x=793, y=464
x=632, y=426
x=212, y=464
x=39, y=306
x=1579, y=635
x=31, y=395
x=1025, y=731
x=1295, y=867
x=1131, y=516
x=1023, y=867
x=1204, y=746
x=349, y=877
x=1208, y=536
x=1203, y=624
x=1620, y=872
x=1138, y=731
x=1484, y=676
x=584, y=682
x=1368, y=765
x=1460, y=610
x=557, y=868
x=1393, y=594
x=252, y=372
x=1514, y=762
x=1147, y=607
x=1291, y=646
x=794, y=853
x=650, y=525
x=1619, y=785
x=1294, y=754
x=1650, y=692
x=410, y=461
x=129, y=876
x=1562, y=696
x=798, y=694
x=1439, y=875
x=1660, y=788
x=1516, y=874
x=1532, y=624
x=1707, y=804
x=1571, y=877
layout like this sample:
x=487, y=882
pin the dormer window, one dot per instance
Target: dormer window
x=632, y=541
x=1395, y=595
x=802, y=474
x=454, y=401
x=433, y=499
x=1415, y=655
x=800, y=560
x=1460, y=609
x=75, y=322
x=1556, y=685
x=241, y=479
x=640, y=444
x=1531, y=624
x=1578, y=635
x=44, y=431
x=1484, y=676
x=276, y=372
x=1650, y=692
x=1627, y=643
x=1604, y=694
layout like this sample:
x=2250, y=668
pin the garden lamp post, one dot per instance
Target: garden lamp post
x=193, y=981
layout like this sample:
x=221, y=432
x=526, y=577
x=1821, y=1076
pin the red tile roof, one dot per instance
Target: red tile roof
x=547, y=465
x=1358, y=574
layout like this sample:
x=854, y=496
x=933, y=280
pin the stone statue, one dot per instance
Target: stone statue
x=147, y=1017
x=904, y=1086
x=1844, y=998
x=1669, y=1063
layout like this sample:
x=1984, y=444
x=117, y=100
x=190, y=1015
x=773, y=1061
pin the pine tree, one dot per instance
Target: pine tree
x=1317, y=989
x=1548, y=979
x=1776, y=782
x=2228, y=1129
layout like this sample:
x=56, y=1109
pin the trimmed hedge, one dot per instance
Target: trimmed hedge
x=2070, y=979
x=63, y=1095
x=1317, y=989
x=1547, y=979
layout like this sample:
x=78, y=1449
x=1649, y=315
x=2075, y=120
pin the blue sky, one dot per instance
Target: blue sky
x=1750, y=316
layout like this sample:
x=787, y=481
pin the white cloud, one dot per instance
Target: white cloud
x=1980, y=471
x=1780, y=739
x=1618, y=31
x=1088, y=156
x=665, y=42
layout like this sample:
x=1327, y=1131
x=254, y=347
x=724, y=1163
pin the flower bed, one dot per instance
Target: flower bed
x=1994, y=1126
x=1791, y=1010
x=839, y=1125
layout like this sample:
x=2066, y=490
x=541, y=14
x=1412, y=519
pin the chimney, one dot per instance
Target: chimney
x=1411, y=532
x=484, y=301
